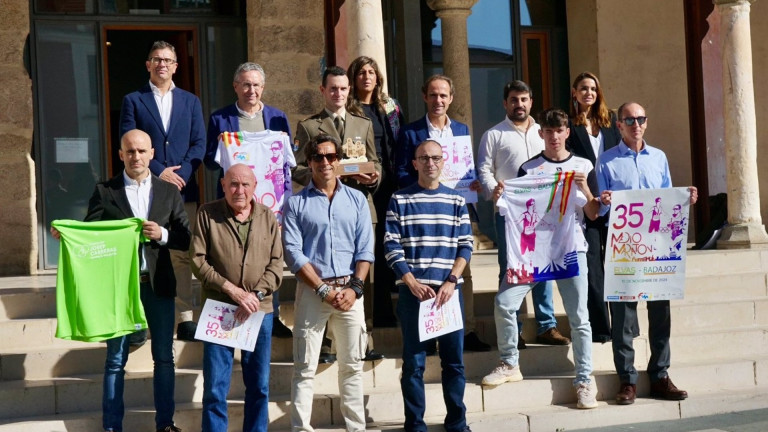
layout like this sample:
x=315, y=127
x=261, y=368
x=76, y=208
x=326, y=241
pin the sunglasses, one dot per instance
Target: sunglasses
x=330, y=157
x=629, y=121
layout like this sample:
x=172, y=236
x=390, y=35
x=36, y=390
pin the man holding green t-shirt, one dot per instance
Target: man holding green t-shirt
x=138, y=193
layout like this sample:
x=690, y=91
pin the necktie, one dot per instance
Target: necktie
x=339, y=123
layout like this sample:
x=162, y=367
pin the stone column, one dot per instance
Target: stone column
x=18, y=195
x=745, y=228
x=365, y=33
x=453, y=14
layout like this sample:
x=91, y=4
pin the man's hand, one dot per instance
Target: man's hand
x=421, y=291
x=345, y=299
x=241, y=314
x=367, y=179
x=169, y=175
x=152, y=230
x=246, y=300
x=694, y=194
x=475, y=186
x=605, y=197
x=55, y=233
x=444, y=294
x=497, y=191
x=581, y=181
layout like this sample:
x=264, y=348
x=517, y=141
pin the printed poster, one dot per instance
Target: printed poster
x=645, y=251
x=459, y=169
x=435, y=322
x=539, y=224
x=217, y=324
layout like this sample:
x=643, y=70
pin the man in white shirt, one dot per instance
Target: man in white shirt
x=502, y=150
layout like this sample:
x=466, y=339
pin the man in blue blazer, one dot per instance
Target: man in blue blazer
x=248, y=114
x=437, y=92
x=173, y=118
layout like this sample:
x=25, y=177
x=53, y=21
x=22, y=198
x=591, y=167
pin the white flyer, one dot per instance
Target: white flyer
x=645, y=250
x=434, y=322
x=459, y=169
x=217, y=324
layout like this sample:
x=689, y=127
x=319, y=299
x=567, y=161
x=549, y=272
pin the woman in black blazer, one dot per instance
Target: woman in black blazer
x=593, y=130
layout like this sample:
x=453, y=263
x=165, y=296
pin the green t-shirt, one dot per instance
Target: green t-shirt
x=97, y=285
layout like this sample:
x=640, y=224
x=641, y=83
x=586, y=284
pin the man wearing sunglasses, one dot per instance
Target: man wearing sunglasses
x=633, y=164
x=328, y=241
x=173, y=118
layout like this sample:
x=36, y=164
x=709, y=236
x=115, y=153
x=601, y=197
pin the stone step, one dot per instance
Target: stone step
x=542, y=403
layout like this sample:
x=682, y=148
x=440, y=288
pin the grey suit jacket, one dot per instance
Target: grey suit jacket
x=355, y=128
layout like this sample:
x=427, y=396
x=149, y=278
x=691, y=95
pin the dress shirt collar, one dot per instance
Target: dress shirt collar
x=248, y=115
x=156, y=89
x=131, y=182
x=624, y=148
x=311, y=186
x=530, y=122
x=342, y=114
x=432, y=128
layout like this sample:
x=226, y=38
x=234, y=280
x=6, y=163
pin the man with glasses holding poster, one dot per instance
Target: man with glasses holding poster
x=633, y=164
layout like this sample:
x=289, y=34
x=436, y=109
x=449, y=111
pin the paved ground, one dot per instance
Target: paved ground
x=745, y=421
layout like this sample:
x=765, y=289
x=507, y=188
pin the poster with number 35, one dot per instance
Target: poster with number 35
x=217, y=324
x=645, y=250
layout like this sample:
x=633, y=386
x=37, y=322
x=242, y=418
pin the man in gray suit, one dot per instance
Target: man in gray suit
x=334, y=120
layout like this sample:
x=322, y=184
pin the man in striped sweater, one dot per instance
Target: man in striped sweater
x=428, y=242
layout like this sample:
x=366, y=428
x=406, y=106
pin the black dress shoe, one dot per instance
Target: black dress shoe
x=280, y=330
x=521, y=342
x=665, y=389
x=372, y=355
x=473, y=343
x=138, y=338
x=326, y=358
x=186, y=331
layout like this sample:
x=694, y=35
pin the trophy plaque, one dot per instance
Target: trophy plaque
x=353, y=161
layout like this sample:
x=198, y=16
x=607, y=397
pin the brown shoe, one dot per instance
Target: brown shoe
x=665, y=389
x=552, y=337
x=627, y=394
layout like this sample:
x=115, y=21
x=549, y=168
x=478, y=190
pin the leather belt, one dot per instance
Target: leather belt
x=337, y=282
x=144, y=278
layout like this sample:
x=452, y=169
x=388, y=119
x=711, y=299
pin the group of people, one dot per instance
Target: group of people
x=334, y=233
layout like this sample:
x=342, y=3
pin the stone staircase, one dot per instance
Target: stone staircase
x=719, y=354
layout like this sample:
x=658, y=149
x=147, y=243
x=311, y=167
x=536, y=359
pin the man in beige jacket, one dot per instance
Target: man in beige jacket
x=237, y=255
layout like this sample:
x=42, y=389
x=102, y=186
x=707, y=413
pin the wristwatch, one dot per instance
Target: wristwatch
x=260, y=295
x=452, y=279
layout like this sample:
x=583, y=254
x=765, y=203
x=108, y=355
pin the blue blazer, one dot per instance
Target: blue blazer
x=184, y=142
x=227, y=120
x=409, y=138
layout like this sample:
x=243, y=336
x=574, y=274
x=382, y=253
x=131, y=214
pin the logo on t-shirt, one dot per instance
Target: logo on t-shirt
x=95, y=250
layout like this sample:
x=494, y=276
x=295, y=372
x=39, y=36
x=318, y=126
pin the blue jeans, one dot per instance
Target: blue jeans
x=160, y=312
x=217, y=374
x=543, y=305
x=414, y=360
x=574, y=293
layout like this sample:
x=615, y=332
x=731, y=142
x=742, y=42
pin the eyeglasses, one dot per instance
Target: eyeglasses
x=330, y=157
x=158, y=60
x=425, y=159
x=629, y=121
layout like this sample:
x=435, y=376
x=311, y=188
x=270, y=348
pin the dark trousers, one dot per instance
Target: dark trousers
x=595, y=234
x=659, y=325
x=383, y=277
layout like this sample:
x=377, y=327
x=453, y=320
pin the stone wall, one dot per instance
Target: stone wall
x=287, y=37
x=18, y=217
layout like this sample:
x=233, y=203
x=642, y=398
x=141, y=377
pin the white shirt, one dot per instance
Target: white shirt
x=164, y=103
x=502, y=150
x=139, y=196
x=445, y=132
x=597, y=143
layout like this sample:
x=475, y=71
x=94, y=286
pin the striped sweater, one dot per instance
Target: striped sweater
x=426, y=230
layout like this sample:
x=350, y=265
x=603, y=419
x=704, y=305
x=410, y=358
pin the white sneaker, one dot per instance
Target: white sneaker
x=586, y=394
x=503, y=373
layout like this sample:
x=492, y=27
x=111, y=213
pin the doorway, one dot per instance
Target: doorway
x=125, y=51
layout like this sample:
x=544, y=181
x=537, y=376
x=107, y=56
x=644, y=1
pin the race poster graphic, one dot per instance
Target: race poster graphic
x=217, y=324
x=539, y=224
x=268, y=154
x=459, y=168
x=434, y=322
x=645, y=251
